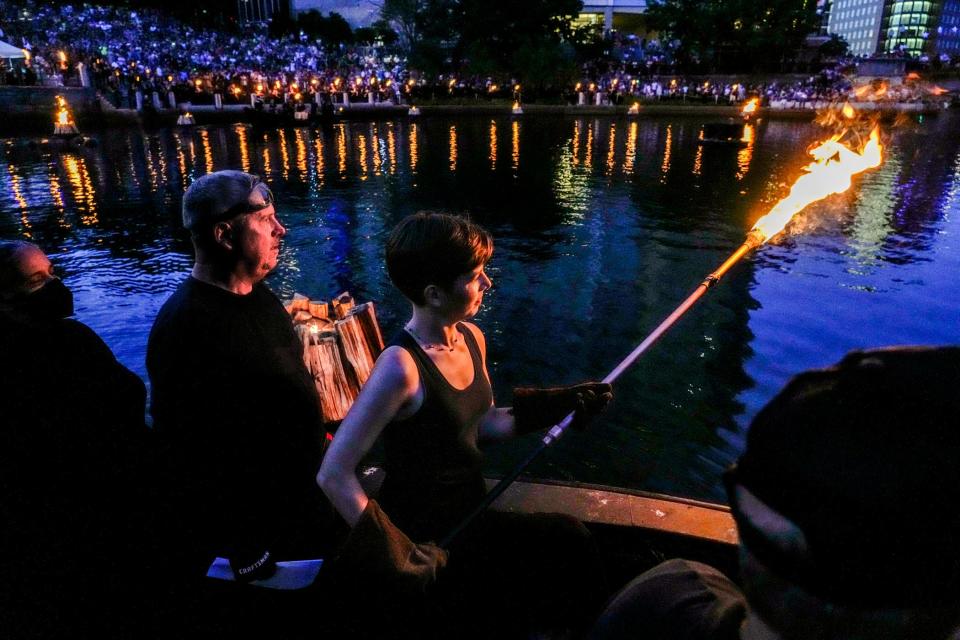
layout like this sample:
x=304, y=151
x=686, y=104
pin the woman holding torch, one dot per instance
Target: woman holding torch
x=430, y=398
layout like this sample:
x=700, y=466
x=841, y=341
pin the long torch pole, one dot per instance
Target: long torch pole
x=754, y=239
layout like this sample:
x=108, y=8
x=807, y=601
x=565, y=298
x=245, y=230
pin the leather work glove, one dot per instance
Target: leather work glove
x=378, y=553
x=535, y=409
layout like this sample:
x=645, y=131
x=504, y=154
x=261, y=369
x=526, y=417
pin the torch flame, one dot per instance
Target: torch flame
x=833, y=166
x=750, y=107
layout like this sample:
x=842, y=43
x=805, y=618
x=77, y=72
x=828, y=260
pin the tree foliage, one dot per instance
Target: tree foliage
x=732, y=35
x=405, y=16
x=486, y=36
x=835, y=47
x=333, y=28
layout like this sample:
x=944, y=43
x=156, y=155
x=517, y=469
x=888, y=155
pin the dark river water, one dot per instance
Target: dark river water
x=602, y=227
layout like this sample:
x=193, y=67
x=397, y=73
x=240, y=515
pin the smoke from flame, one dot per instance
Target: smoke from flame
x=833, y=166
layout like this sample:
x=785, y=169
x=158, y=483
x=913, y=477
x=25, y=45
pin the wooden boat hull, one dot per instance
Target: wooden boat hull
x=634, y=530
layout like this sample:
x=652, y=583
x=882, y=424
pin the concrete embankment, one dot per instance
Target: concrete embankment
x=30, y=110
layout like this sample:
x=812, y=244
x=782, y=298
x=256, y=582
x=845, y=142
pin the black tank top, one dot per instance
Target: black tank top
x=434, y=468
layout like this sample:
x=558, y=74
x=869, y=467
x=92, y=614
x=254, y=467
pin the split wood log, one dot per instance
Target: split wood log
x=340, y=348
x=355, y=348
x=342, y=304
x=321, y=354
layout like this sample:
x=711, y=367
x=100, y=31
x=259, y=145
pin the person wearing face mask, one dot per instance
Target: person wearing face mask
x=235, y=409
x=71, y=441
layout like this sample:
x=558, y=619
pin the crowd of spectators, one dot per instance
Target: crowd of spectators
x=125, y=50
x=130, y=52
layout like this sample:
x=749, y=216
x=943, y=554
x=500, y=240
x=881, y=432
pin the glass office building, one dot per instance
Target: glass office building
x=914, y=27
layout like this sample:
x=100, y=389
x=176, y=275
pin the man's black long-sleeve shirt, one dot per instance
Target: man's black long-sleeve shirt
x=239, y=418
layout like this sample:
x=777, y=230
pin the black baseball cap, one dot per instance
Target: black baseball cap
x=850, y=482
x=223, y=195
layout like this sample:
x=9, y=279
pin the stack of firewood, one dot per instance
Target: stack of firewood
x=341, y=341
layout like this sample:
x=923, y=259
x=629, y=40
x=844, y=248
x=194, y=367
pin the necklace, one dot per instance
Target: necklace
x=434, y=345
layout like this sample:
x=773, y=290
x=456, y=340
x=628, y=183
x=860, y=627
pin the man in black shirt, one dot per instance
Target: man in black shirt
x=233, y=404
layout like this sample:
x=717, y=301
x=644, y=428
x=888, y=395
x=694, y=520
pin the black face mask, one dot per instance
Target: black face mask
x=52, y=301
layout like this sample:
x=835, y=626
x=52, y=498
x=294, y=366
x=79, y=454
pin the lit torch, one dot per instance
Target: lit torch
x=750, y=108
x=834, y=165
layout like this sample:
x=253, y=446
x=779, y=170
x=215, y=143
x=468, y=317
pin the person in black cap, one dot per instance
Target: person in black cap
x=234, y=406
x=846, y=504
x=71, y=446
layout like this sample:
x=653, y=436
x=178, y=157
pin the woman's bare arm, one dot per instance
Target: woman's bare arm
x=392, y=384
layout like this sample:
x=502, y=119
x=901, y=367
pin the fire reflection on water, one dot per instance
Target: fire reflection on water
x=746, y=153
x=55, y=193
x=611, y=149
x=149, y=162
x=576, y=142
x=631, y=152
x=667, y=150
x=267, y=167
x=284, y=154
x=588, y=153
x=301, y=144
x=392, y=148
x=342, y=151
x=181, y=161
x=515, y=153
x=244, y=147
x=872, y=220
x=414, y=156
x=377, y=152
x=493, y=146
x=15, y=187
x=207, y=150
x=82, y=188
x=453, y=148
x=362, y=155
x=318, y=153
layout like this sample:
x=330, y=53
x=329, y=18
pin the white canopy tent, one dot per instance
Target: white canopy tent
x=9, y=51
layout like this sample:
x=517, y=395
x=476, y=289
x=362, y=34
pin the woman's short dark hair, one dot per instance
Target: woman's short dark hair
x=434, y=248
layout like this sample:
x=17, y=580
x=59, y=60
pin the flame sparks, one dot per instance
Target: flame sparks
x=751, y=107
x=833, y=166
